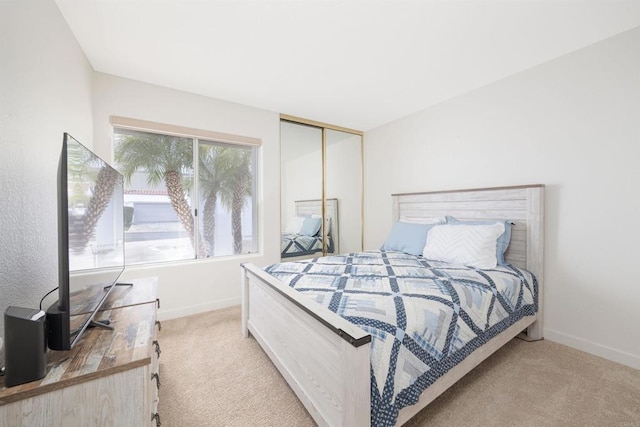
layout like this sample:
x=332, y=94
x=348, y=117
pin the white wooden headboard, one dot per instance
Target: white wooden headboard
x=314, y=207
x=523, y=206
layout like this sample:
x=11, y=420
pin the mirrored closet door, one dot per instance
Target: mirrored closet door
x=343, y=181
x=321, y=189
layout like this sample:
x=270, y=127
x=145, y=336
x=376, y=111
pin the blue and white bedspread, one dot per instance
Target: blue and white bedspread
x=296, y=244
x=424, y=316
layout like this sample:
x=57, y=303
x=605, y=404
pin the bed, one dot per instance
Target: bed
x=329, y=361
x=297, y=245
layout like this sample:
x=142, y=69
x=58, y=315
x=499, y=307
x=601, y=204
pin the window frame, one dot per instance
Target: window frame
x=197, y=137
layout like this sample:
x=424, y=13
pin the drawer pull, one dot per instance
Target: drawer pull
x=157, y=344
x=159, y=325
x=157, y=378
x=156, y=417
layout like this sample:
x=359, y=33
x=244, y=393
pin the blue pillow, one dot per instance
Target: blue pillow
x=503, y=240
x=311, y=226
x=407, y=237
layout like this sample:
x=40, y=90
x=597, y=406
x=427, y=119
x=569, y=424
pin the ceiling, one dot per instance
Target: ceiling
x=352, y=63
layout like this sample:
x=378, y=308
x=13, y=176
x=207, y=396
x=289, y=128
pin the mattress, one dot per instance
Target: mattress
x=424, y=316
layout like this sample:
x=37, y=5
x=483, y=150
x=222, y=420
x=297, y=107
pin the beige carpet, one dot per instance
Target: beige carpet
x=211, y=376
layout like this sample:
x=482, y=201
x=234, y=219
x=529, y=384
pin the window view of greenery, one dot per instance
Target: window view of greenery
x=170, y=179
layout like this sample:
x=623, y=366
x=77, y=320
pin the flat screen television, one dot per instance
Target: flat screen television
x=90, y=242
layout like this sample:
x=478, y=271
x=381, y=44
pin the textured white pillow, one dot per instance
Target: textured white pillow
x=421, y=220
x=295, y=225
x=471, y=245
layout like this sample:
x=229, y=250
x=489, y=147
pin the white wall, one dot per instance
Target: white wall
x=45, y=90
x=47, y=87
x=572, y=124
x=194, y=286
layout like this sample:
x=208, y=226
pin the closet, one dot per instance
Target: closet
x=321, y=189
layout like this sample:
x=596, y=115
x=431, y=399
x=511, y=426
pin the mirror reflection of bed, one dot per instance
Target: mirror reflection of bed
x=319, y=162
x=303, y=234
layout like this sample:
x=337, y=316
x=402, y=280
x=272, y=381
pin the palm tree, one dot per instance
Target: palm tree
x=164, y=158
x=225, y=176
x=210, y=176
x=81, y=167
x=236, y=164
x=102, y=192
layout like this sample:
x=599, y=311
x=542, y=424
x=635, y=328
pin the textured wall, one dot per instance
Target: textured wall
x=45, y=90
x=571, y=124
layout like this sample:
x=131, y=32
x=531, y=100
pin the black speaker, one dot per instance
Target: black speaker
x=25, y=347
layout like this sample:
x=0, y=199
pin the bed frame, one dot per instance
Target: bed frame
x=325, y=359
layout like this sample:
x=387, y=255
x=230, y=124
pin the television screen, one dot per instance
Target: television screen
x=91, y=240
x=95, y=213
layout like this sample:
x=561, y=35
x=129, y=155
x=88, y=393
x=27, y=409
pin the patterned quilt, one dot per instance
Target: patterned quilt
x=424, y=316
x=297, y=244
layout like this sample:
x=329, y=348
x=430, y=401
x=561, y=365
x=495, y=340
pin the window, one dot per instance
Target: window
x=185, y=196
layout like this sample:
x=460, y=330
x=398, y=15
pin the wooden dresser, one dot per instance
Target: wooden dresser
x=110, y=378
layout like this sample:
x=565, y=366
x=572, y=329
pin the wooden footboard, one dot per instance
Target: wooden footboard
x=323, y=357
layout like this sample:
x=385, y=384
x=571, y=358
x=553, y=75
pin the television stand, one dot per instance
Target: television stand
x=106, y=324
x=118, y=284
x=115, y=369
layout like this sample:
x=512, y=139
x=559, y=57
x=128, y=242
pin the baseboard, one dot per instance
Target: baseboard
x=164, y=314
x=609, y=353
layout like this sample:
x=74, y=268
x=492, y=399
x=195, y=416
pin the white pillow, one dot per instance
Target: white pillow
x=471, y=245
x=295, y=225
x=422, y=220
